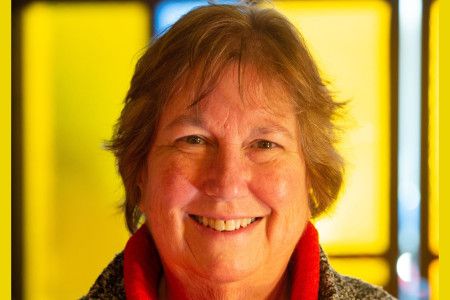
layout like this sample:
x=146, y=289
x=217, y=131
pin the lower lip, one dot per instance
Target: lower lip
x=242, y=230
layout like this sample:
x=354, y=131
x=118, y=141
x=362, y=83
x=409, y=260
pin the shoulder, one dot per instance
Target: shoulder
x=335, y=286
x=109, y=285
x=352, y=288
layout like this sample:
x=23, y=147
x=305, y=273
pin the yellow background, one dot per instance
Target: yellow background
x=433, y=135
x=5, y=150
x=77, y=62
x=444, y=148
x=433, y=132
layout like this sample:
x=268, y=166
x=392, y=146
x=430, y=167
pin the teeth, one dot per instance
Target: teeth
x=219, y=225
x=229, y=225
x=237, y=223
x=224, y=225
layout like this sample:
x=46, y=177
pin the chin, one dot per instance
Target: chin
x=227, y=271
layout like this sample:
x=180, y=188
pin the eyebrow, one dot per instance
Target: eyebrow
x=186, y=119
x=198, y=121
x=272, y=128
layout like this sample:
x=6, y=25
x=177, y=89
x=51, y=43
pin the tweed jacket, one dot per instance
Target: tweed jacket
x=332, y=286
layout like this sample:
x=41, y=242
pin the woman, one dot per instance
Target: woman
x=225, y=148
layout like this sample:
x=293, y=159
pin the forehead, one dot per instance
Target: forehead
x=239, y=88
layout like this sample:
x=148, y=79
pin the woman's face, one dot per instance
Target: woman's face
x=224, y=190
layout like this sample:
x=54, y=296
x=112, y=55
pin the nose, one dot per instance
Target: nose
x=227, y=175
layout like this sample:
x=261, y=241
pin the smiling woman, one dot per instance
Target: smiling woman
x=226, y=150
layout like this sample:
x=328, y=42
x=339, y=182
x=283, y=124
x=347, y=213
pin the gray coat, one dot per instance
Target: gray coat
x=332, y=286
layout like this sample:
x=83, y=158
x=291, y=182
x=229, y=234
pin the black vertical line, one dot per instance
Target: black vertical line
x=17, y=205
x=425, y=256
x=394, y=61
x=151, y=7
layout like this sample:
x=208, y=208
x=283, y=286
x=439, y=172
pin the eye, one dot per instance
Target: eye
x=265, y=145
x=193, y=140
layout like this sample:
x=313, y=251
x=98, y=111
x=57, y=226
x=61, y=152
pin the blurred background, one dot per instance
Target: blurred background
x=72, y=62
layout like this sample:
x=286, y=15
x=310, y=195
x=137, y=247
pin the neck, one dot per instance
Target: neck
x=195, y=287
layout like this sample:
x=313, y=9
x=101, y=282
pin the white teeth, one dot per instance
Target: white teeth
x=229, y=225
x=219, y=225
x=237, y=223
x=224, y=225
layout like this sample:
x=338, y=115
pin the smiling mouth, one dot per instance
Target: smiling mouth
x=224, y=225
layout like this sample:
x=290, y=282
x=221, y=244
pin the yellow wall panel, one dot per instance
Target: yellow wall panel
x=433, y=130
x=372, y=270
x=5, y=150
x=444, y=147
x=433, y=275
x=77, y=63
x=350, y=40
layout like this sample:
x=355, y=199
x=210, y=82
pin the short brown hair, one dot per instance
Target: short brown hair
x=199, y=47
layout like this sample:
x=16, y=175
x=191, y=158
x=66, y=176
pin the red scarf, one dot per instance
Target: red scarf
x=143, y=270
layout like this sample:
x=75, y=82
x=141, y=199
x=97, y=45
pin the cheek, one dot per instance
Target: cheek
x=169, y=186
x=281, y=184
x=283, y=189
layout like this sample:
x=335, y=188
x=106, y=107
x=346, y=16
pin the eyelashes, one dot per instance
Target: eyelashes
x=197, y=140
x=192, y=140
x=265, y=145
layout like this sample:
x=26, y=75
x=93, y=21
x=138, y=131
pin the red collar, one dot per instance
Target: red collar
x=143, y=270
